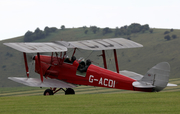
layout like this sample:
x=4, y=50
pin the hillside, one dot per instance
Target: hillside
x=156, y=49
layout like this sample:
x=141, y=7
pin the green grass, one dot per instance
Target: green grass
x=90, y=100
x=125, y=103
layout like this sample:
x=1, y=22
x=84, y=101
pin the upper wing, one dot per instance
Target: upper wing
x=101, y=44
x=35, y=82
x=61, y=46
x=37, y=47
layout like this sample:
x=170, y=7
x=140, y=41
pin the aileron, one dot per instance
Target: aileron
x=37, y=47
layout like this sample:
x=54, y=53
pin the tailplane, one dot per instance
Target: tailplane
x=158, y=76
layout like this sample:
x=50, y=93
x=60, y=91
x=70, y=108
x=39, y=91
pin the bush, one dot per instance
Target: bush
x=38, y=34
x=151, y=30
x=167, y=37
x=106, y=30
x=28, y=36
x=62, y=27
x=172, y=30
x=86, y=31
x=174, y=36
x=133, y=28
x=166, y=32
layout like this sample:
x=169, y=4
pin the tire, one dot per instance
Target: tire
x=69, y=91
x=48, y=92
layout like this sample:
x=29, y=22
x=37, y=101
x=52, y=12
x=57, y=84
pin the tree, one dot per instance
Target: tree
x=47, y=30
x=62, y=27
x=86, y=31
x=84, y=27
x=145, y=27
x=174, y=36
x=135, y=27
x=38, y=34
x=37, y=30
x=172, y=30
x=53, y=29
x=28, y=36
x=28, y=33
x=167, y=37
x=166, y=32
x=106, y=30
x=94, y=29
x=116, y=31
x=151, y=30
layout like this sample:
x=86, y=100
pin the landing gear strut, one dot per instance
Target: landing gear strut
x=52, y=91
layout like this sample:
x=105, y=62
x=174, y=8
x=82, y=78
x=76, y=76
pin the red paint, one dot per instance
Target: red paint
x=40, y=68
x=104, y=59
x=95, y=75
x=26, y=65
x=74, y=51
x=116, y=61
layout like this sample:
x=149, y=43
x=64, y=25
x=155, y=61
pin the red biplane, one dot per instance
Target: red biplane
x=57, y=71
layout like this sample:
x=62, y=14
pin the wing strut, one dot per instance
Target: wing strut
x=104, y=59
x=74, y=51
x=116, y=61
x=41, y=74
x=26, y=65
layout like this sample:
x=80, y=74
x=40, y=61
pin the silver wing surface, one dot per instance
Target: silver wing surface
x=37, y=47
x=138, y=83
x=131, y=74
x=61, y=46
x=101, y=44
x=35, y=82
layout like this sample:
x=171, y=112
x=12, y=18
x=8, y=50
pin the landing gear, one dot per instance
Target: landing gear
x=69, y=91
x=48, y=92
x=52, y=91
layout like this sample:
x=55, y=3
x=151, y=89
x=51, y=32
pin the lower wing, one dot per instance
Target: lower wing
x=35, y=82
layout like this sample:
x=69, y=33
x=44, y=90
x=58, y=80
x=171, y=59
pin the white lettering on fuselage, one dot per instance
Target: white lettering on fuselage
x=102, y=81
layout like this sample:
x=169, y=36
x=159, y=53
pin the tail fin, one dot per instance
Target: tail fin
x=158, y=76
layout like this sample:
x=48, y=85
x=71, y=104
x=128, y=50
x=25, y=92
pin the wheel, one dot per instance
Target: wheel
x=48, y=92
x=69, y=91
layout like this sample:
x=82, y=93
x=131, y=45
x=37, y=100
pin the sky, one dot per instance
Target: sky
x=19, y=16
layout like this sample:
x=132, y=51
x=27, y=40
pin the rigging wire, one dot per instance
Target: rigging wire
x=110, y=63
x=68, y=52
x=89, y=54
x=31, y=67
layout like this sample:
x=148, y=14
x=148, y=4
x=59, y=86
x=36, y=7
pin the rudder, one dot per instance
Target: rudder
x=158, y=76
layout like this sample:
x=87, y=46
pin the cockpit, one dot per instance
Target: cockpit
x=67, y=60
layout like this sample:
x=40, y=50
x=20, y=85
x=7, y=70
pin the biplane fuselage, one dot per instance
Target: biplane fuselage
x=56, y=68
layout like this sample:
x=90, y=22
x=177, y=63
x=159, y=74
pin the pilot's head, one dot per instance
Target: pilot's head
x=88, y=62
x=73, y=58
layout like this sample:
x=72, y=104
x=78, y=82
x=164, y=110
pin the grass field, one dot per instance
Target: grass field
x=90, y=100
x=119, y=103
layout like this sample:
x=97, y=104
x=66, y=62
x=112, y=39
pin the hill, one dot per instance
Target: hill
x=156, y=49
